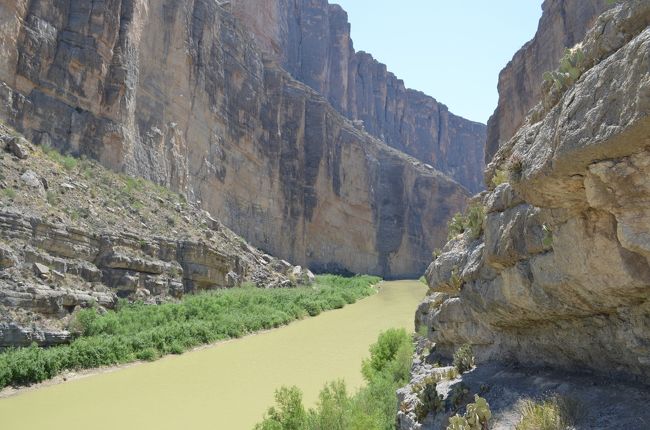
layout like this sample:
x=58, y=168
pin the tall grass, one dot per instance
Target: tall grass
x=146, y=332
x=554, y=413
x=374, y=407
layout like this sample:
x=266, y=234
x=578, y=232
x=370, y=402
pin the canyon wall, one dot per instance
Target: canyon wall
x=563, y=24
x=177, y=92
x=311, y=39
x=561, y=274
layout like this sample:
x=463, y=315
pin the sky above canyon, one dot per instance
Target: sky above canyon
x=451, y=50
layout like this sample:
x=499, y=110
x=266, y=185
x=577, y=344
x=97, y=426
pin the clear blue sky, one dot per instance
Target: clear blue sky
x=452, y=50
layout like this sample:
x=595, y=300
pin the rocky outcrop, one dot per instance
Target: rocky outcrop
x=176, y=92
x=311, y=39
x=561, y=274
x=563, y=24
x=76, y=235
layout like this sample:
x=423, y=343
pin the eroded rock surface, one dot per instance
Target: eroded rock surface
x=177, y=92
x=95, y=236
x=563, y=24
x=560, y=275
x=311, y=39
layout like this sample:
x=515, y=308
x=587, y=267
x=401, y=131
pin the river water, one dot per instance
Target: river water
x=224, y=387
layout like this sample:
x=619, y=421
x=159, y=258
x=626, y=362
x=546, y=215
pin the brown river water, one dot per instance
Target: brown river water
x=224, y=387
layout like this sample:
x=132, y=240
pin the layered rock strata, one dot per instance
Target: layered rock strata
x=176, y=92
x=311, y=39
x=74, y=235
x=561, y=274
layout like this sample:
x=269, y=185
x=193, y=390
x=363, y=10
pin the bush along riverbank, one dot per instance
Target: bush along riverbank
x=373, y=407
x=146, y=332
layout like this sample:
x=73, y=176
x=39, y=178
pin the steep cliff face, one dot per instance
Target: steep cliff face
x=552, y=292
x=176, y=92
x=561, y=275
x=311, y=39
x=563, y=24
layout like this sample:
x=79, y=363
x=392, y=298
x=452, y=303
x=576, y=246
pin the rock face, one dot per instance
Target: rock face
x=561, y=274
x=311, y=39
x=176, y=92
x=563, y=24
x=552, y=295
x=77, y=235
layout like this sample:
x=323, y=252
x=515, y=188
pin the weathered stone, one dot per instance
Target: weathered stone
x=563, y=24
x=31, y=179
x=561, y=276
x=41, y=270
x=264, y=153
x=17, y=146
x=311, y=40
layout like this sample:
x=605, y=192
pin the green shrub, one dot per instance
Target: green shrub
x=9, y=193
x=475, y=220
x=572, y=66
x=555, y=413
x=288, y=414
x=69, y=163
x=477, y=416
x=456, y=226
x=52, y=198
x=334, y=408
x=429, y=401
x=472, y=222
x=464, y=358
x=500, y=177
x=374, y=407
x=141, y=332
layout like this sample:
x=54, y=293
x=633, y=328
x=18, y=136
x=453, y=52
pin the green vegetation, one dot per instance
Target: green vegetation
x=68, y=162
x=547, y=240
x=500, y=177
x=143, y=332
x=476, y=418
x=572, y=65
x=464, y=358
x=555, y=413
x=429, y=400
x=372, y=408
x=9, y=193
x=471, y=222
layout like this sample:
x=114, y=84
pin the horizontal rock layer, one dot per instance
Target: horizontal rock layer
x=176, y=92
x=311, y=39
x=561, y=275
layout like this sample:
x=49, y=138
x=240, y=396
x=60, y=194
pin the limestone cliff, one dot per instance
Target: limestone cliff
x=553, y=281
x=177, y=92
x=563, y=24
x=311, y=39
x=561, y=274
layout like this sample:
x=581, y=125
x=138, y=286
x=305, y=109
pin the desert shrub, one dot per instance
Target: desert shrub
x=141, y=332
x=572, y=65
x=471, y=222
x=500, y=177
x=456, y=225
x=464, y=358
x=9, y=193
x=555, y=413
x=475, y=219
x=476, y=417
x=372, y=408
x=429, y=401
